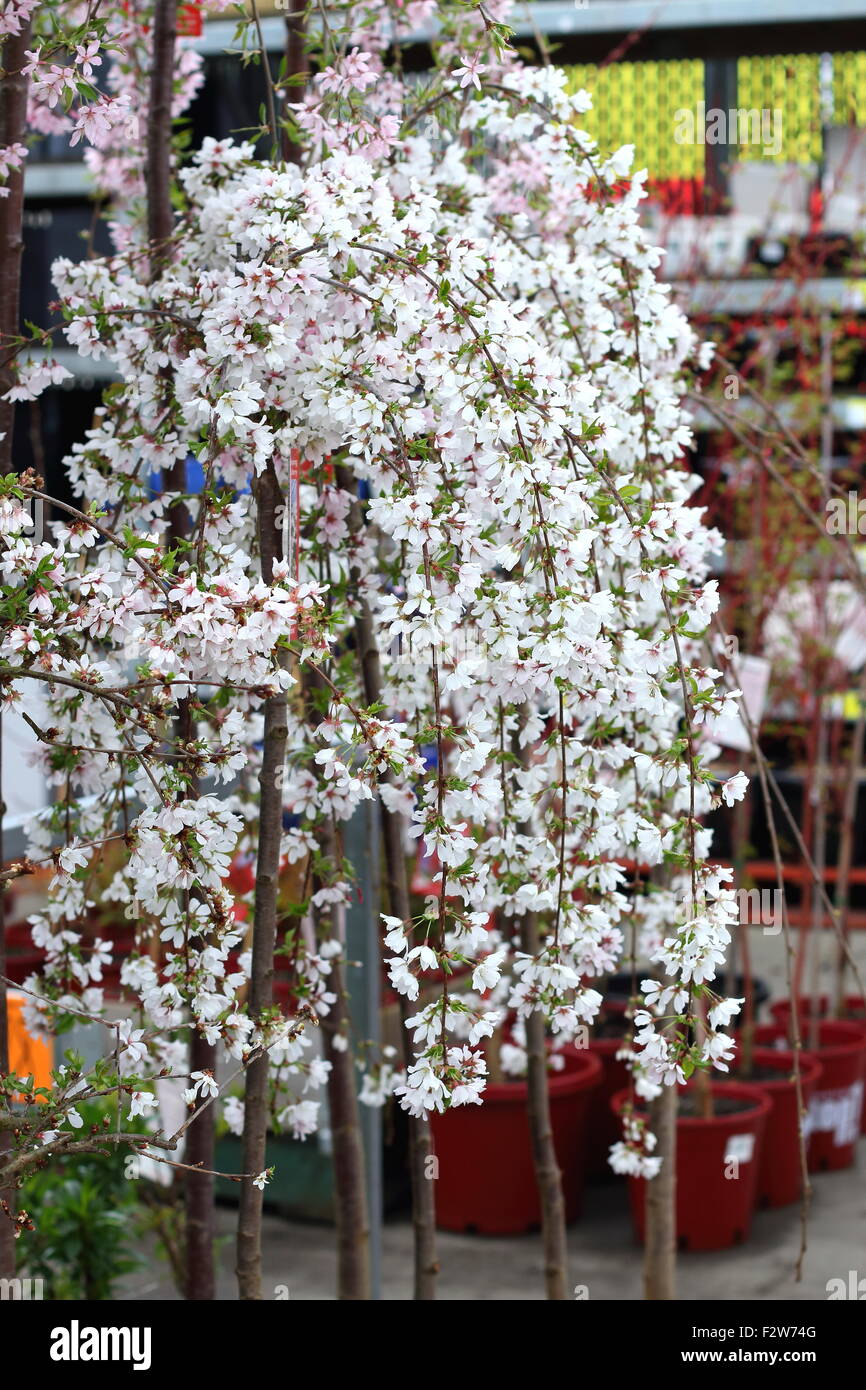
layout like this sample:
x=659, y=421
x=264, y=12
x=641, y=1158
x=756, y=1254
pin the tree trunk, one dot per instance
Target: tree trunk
x=350, y=1189
x=547, y=1173
x=296, y=66
x=13, y=130
x=160, y=217
x=426, y=1263
x=660, y=1252
x=199, y=1274
x=249, y=1234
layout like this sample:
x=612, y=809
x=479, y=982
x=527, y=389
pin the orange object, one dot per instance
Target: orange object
x=27, y=1056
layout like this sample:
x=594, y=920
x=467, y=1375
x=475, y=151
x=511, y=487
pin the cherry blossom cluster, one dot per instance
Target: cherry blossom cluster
x=450, y=312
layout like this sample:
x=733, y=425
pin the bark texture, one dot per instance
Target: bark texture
x=660, y=1251
x=547, y=1173
x=350, y=1188
x=13, y=128
x=160, y=217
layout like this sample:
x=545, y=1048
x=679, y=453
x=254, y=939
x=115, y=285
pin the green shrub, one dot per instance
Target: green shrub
x=85, y=1214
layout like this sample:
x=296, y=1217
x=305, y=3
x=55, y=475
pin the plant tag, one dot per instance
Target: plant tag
x=740, y=1148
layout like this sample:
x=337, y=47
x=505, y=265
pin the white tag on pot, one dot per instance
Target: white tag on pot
x=740, y=1148
x=837, y=1112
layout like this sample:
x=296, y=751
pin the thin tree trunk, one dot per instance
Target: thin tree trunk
x=249, y=1233
x=350, y=1175
x=547, y=1172
x=350, y=1188
x=296, y=66
x=199, y=1188
x=199, y=1275
x=13, y=127
x=660, y=1251
x=426, y=1263
x=548, y=1177
x=13, y=130
x=160, y=217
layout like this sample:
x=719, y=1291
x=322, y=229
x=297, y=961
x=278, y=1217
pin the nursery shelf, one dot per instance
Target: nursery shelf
x=780, y=295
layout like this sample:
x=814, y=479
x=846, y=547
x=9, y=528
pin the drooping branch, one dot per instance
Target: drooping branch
x=426, y=1263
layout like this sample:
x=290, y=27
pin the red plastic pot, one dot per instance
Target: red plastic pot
x=714, y=1207
x=833, y=1122
x=853, y=1004
x=485, y=1178
x=779, y=1171
x=855, y=1007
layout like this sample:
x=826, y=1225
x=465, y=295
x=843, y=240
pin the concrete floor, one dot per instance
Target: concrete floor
x=299, y=1260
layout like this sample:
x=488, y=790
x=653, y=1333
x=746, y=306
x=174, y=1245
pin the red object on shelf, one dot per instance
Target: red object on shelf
x=486, y=1178
x=190, y=24
x=714, y=1210
x=681, y=197
x=837, y=1101
x=241, y=876
x=779, y=1172
x=425, y=875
